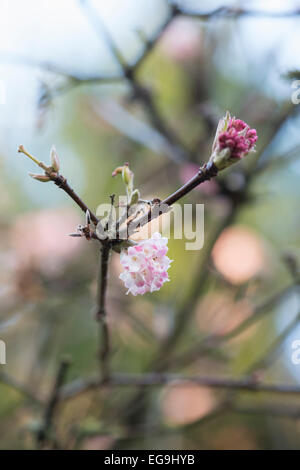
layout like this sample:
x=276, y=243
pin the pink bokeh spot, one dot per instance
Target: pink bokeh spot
x=41, y=239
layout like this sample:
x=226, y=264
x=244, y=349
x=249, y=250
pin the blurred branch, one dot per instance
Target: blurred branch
x=236, y=12
x=246, y=384
x=210, y=343
x=280, y=161
x=135, y=129
x=100, y=28
x=144, y=96
x=278, y=411
x=55, y=69
x=271, y=354
x=150, y=43
x=228, y=406
x=287, y=112
x=45, y=431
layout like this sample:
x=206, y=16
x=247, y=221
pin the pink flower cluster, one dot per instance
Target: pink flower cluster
x=238, y=137
x=145, y=265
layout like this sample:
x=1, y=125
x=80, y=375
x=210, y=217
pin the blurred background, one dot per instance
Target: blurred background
x=138, y=81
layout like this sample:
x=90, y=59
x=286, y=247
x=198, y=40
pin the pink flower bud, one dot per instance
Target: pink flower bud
x=234, y=140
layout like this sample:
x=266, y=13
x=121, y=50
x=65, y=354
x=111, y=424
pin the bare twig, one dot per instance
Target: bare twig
x=62, y=183
x=101, y=313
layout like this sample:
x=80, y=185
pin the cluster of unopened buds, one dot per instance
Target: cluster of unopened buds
x=234, y=140
x=146, y=263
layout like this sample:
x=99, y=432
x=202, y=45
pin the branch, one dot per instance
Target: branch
x=205, y=173
x=101, y=314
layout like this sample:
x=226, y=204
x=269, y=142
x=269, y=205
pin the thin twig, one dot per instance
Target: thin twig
x=62, y=183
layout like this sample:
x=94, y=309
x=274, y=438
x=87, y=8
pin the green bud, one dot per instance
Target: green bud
x=127, y=175
x=55, y=164
x=135, y=196
x=41, y=178
x=222, y=159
